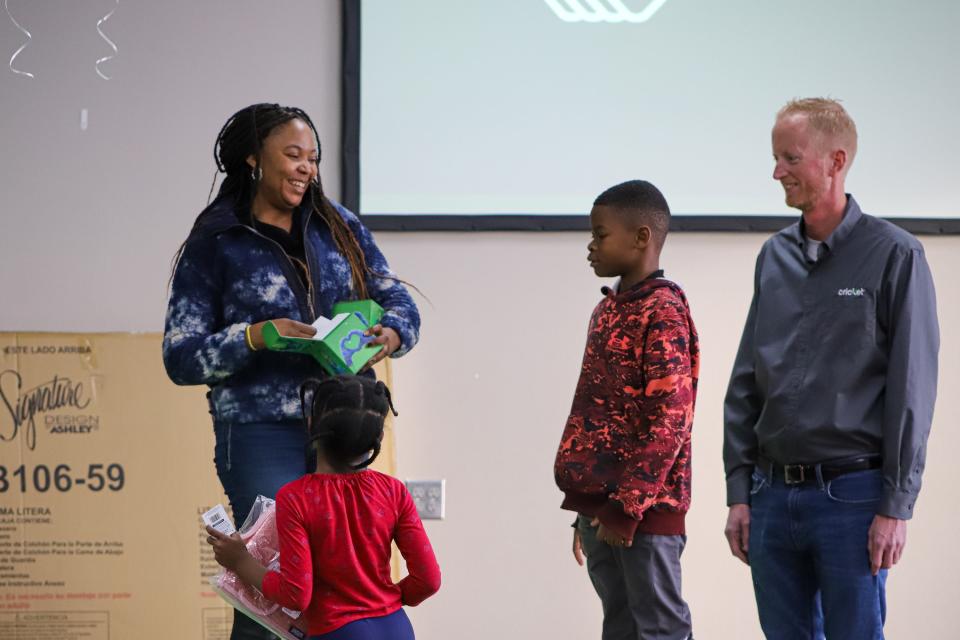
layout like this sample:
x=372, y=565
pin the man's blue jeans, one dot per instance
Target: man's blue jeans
x=809, y=560
x=257, y=459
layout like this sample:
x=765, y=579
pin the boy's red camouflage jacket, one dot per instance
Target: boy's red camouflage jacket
x=625, y=452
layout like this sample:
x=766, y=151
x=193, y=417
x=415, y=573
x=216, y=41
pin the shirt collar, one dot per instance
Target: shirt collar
x=851, y=216
x=616, y=285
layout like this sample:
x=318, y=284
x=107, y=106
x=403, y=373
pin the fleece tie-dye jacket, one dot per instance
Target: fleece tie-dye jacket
x=625, y=453
x=231, y=276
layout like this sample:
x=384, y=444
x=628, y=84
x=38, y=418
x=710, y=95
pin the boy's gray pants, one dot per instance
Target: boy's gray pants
x=639, y=586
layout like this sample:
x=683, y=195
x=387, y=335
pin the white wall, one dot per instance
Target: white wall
x=89, y=221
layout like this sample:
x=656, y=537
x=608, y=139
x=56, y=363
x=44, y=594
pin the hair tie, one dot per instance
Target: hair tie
x=385, y=390
x=305, y=409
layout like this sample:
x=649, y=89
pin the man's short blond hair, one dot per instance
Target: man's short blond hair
x=828, y=118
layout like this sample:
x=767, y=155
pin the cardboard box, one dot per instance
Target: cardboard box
x=339, y=345
x=103, y=497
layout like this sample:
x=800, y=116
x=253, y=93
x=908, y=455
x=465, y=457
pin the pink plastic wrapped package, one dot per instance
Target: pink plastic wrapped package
x=259, y=532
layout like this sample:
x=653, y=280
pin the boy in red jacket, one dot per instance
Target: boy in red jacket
x=624, y=459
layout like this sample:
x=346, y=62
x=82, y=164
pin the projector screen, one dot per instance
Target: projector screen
x=533, y=107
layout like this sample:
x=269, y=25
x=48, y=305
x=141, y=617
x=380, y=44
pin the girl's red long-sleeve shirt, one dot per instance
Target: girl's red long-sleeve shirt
x=335, y=532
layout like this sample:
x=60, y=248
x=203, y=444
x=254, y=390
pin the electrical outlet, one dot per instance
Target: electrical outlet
x=429, y=496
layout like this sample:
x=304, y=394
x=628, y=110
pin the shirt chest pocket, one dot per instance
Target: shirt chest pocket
x=849, y=319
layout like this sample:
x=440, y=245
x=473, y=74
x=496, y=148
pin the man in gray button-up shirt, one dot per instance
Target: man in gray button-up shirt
x=831, y=398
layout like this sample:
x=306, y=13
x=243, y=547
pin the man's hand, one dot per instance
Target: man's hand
x=577, y=546
x=609, y=537
x=885, y=542
x=738, y=531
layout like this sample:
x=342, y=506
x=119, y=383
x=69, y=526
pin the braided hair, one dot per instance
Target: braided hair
x=345, y=416
x=242, y=136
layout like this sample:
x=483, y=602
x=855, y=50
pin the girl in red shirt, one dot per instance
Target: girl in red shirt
x=335, y=526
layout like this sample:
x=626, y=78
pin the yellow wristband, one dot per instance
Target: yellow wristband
x=249, y=339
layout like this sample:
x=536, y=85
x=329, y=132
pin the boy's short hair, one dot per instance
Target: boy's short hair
x=642, y=202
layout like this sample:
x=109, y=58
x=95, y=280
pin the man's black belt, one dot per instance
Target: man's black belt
x=797, y=474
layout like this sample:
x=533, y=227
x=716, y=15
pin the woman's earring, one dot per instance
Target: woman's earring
x=256, y=174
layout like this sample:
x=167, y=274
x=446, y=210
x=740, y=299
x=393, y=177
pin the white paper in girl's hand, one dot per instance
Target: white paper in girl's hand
x=218, y=519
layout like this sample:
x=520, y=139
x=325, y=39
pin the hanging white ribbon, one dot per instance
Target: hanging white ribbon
x=6, y=5
x=110, y=42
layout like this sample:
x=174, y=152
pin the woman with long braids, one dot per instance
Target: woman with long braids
x=270, y=247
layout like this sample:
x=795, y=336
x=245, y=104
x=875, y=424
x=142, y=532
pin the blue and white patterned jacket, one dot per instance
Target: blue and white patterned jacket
x=231, y=276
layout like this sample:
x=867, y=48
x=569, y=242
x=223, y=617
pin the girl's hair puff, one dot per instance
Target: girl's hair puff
x=345, y=417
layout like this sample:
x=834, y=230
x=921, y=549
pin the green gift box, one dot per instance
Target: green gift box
x=368, y=310
x=339, y=345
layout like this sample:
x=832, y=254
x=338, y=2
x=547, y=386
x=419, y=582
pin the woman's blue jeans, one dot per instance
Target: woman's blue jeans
x=809, y=560
x=257, y=459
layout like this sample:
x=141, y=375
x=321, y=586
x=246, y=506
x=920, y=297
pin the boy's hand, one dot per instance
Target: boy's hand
x=606, y=535
x=577, y=546
x=230, y=551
